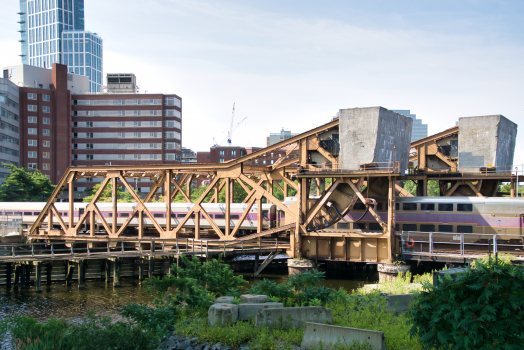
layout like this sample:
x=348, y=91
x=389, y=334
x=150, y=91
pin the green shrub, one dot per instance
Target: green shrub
x=502, y=259
x=482, y=309
x=159, y=320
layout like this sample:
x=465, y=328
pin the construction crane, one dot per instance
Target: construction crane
x=232, y=127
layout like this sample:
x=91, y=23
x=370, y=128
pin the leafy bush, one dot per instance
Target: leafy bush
x=297, y=290
x=196, y=285
x=503, y=259
x=158, y=320
x=92, y=332
x=482, y=309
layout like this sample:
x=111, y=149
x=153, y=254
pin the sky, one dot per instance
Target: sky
x=293, y=64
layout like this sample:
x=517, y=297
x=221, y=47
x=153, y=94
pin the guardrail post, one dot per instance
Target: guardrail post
x=163, y=245
x=431, y=243
x=276, y=243
x=122, y=245
x=187, y=245
x=52, y=250
x=32, y=249
x=495, y=248
x=108, y=250
x=462, y=244
x=140, y=246
x=13, y=250
x=88, y=252
x=72, y=251
x=224, y=248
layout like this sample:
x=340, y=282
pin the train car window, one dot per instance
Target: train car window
x=81, y=211
x=359, y=206
x=282, y=214
x=36, y=213
x=124, y=215
x=409, y=206
x=65, y=213
x=464, y=207
x=464, y=229
x=265, y=214
x=220, y=216
x=427, y=206
x=374, y=226
x=343, y=226
x=173, y=216
x=427, y=228
x=445, y=228
x=409, y=227
x=158, y=215
x=359, y=226
x=192, y=216
x=109, y=215
x=235, y=217
x=27, y=213
x=379, y=206
x=181, y=215
x=445, y=207
x=8, y=213
x=397, y=206
x=397, y=227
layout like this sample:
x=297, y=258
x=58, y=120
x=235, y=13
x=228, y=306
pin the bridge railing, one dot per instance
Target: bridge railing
x=133, y=247
x=460, y=244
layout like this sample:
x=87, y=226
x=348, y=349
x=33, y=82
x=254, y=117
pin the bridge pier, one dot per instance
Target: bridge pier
x=116, y=273
x=388, y=272
x=295, y=266
x=107, y=265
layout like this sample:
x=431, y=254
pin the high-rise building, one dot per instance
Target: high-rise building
x=9, y=126
x=277, y=137
x=52, y=31
x=419, y=130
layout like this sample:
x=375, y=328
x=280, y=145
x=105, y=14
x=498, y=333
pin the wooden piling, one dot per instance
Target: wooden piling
x=151, y=270
x=140, y=270
x=18, y=271
x=49, y=271
x=81, y=274
x=116, y=273
x=107, y=264
x=39, y=277
x=9, y=272
x=70, y=272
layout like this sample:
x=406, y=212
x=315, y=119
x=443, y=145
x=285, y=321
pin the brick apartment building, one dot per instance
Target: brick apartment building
x=220, y=154
x=61, y=124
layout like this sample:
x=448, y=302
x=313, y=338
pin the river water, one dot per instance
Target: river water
x=60, y=301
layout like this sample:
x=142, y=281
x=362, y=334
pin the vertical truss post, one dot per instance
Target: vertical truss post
x=295, y=244
x=228, y=207
x=188, y=186
x=232, y=196
x=259, y=215
x=197, y=225
x=285, y=188
x=317, y=181
x=140, y=224
x=71, y=202
x=49, y=220
x=391, y=219
x=115, y=200
x=91, y=223
x=215, y=193
x=167, y=197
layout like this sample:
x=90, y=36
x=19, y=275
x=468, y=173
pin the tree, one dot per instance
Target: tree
x=23, y=185
x=106, y=196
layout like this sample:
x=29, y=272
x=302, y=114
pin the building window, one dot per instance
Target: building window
x=152, y=145
x=152, y=134
x=46, y=132
x=89, y=124
x=171, y=101
x=120, y=157
x=137, y=135
x=32, y=119
x=137, y=124
x=46, y=109
x=137, y=102
x=46, y=155
x=172, y=124
x=75, y=135
x=31, y=166
x=121, y=146
x=272, y=161
x=32, y=131
x=47, y=143
x=89, y=157
x=121, y=124
x=32, y=108
x=32, y=143
x=221, y=153
x=46, y=166
x=89, y=135
x=89, y=146
x=75, y=156
x=221, y=160
x=31, y=154
x=152, y=124
x=31, y=96
x=233, y=153
x=264, y=162
x=137, y=113
x=46, y=98
x=137, y=156
x=137, y=145
x=171, y=156
x=47, y=120
x=120, y=135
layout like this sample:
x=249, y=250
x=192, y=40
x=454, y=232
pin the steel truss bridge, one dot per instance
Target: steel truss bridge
x=309, y=224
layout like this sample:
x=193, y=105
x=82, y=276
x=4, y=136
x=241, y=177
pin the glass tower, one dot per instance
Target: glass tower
x=419, y=130
x=44, y=24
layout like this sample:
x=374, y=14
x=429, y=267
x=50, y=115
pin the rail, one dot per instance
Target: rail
x=131, y=247
x=460, y=244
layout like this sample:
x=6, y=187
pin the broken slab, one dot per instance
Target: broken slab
x=315, y=333
x=222, y=314
x=292, y=317
x=224, y=300
x=249, y=311
x=254, y=299
x=398, y=302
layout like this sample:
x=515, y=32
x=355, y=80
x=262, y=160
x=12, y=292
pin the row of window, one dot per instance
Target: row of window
x=133, y=124
x=34, y=154
x=432, y=207
x=133, y=113
x=34, y=166
x=136, y=102
x=10, y=139
x=8, y=102
x=34, y=131
x=34, y=108
x=375, y=226
x=172, y=101
x=8, y=114
x=34, y=96
x=33, y=120
x=34, y=143
x=10, y=127
x=167, y=156
x=119, y=146
x=9, y=151
x=121, y=135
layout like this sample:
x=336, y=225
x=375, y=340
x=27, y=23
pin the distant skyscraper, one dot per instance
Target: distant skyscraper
x=277, y=137
x=53, y=32
x=419, y=130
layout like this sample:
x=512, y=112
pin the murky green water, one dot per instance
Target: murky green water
x=59, y=301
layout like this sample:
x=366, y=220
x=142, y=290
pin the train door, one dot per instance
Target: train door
x=521, y=223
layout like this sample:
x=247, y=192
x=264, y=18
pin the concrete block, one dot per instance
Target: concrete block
x=292, y=317
x=454, y=273
x=398, y=302
x=315, y=333
x=254, y=299
x=368, y=135
x=222, y=314
x=249, y=311
x=486, y=140
x=224, y=300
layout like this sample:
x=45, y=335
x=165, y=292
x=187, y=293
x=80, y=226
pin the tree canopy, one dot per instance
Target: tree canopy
x=24, y=185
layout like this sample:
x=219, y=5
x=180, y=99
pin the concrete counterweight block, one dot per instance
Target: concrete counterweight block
x=398, y=302
x=224, y=300
x=293, y=317
x=314, y=334
x=222, y=314
x=249, y=311
x=254, y=299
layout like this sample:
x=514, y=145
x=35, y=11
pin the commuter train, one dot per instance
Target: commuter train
x=493, y=215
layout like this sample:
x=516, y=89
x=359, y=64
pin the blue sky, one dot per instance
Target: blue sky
x=294, y=64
